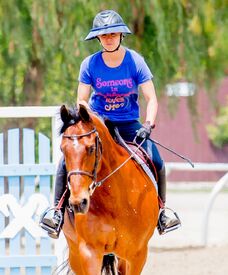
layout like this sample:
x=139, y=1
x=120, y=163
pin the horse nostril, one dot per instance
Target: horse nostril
x=80, y=207
x=83, y=203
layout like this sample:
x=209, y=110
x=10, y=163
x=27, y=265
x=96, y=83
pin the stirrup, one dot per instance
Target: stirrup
x=52, y=232
x=161, y=228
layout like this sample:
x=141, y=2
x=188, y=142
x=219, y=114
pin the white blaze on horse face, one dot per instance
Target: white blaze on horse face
x=75, y=142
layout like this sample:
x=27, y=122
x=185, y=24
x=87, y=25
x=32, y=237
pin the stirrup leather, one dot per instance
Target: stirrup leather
x=161, y=227
x=52, y=232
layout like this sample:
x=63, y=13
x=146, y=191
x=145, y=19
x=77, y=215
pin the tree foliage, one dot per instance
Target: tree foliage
x=42, y=44
x=218, y=131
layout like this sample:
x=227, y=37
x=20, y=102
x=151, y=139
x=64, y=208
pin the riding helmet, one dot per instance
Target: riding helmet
x=105, y=22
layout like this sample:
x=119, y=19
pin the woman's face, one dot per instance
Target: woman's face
x=110, y=41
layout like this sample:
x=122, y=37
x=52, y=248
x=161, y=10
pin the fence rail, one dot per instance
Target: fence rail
x=181, y=166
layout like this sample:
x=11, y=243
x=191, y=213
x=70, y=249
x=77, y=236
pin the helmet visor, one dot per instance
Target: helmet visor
x=122, y=28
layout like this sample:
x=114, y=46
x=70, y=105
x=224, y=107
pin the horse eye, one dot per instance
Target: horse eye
x=90, y=149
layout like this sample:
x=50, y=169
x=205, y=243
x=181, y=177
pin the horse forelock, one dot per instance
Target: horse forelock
x=74, y=118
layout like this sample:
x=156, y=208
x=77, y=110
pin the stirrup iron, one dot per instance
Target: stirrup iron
x=161, y=228
x=52, y=232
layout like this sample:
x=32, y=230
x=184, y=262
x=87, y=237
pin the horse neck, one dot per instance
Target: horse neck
x=108, y=143
x=114, y=188
x=112, y=153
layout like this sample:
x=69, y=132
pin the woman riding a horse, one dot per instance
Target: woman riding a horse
x=116, y=75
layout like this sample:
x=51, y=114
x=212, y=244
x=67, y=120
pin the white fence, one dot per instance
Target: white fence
x=37, y=112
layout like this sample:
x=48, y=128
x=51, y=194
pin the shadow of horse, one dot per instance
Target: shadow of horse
x=115, y=204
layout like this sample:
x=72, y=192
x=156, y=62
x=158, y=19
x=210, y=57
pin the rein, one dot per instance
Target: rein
x=93, y=175
x=96, y=184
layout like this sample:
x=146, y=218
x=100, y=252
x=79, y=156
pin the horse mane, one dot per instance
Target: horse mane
x=111, y=127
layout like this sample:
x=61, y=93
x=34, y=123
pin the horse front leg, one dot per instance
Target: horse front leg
x=122, y=267
x=85, y=260
x=136, y=263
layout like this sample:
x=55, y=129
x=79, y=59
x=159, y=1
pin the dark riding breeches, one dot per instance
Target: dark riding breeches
x=128, y=131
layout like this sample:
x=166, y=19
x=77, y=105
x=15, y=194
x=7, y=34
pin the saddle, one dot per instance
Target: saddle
x=139, y=155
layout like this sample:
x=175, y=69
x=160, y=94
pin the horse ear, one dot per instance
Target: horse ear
x=83, y=113
x=64, y=114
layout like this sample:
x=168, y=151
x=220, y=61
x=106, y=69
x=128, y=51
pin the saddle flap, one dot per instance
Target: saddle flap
x=139, y=155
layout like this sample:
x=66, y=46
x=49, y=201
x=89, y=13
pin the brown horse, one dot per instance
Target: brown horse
x=117, y=217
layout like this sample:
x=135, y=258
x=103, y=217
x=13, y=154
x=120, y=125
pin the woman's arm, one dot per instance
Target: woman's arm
x=83, y=94
x=149, y=93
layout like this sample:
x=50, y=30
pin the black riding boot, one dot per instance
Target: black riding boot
x=52, y=219
x=165, y=224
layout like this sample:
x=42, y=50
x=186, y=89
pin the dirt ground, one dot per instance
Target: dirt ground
x=188, y=261
x=181, y=252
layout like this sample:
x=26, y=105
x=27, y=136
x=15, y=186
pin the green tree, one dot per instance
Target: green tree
x=42, y=44
x=218, y=130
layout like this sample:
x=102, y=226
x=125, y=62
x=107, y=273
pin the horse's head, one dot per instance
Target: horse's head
x=82, y=150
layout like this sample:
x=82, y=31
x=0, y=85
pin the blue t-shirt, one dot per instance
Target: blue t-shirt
x=115, y=90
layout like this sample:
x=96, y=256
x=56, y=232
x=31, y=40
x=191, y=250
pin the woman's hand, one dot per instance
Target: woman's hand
x=145, y=131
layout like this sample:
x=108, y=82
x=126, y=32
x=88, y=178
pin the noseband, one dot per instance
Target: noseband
x=98, y=151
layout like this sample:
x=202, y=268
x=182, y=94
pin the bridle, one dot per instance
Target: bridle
x=98, y=153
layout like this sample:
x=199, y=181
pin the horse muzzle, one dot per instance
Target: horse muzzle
x=81, y=206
